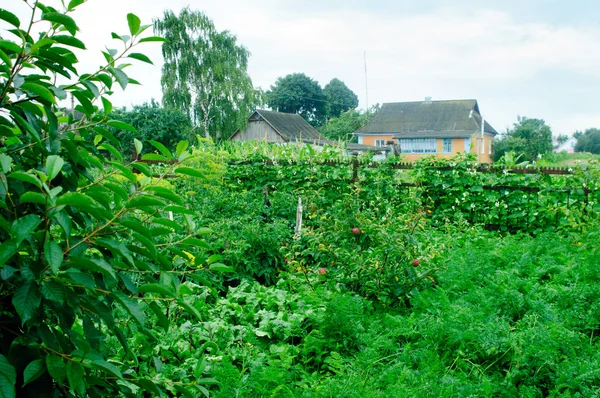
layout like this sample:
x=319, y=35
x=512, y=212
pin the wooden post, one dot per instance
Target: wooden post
x=354, y=167
x=298, y=228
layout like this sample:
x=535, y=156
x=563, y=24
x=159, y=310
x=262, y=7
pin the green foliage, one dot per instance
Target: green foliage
x=89, y=248
x=298, y=93
x=342, y=127
x=530, y=138
x=589, y=141
x=339, y=98
x=151, y=122
x=205, y=73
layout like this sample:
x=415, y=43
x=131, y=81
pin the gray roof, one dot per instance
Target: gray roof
x=290, y=126
x=454, y=118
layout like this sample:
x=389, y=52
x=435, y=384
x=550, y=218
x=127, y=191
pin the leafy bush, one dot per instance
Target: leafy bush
x=88, y=247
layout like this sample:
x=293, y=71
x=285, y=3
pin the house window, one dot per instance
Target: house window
x=418, y=145
x=446, y=145
x=379, y=142
x=490, y=146
x=467, y=144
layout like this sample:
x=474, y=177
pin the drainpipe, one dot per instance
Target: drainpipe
x=482, y=138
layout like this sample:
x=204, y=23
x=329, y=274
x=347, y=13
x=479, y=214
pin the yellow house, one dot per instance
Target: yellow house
x=421, y=128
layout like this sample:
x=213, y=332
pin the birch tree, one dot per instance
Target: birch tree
x=205, y=73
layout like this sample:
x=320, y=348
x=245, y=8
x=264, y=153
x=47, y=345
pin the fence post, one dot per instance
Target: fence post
x=354, y=167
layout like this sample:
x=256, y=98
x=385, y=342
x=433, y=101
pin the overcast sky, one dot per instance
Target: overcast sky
x=534, y=58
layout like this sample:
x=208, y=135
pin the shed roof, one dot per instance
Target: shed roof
x=290, y=126
x=454, y=118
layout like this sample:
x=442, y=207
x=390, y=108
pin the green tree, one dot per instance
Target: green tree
x=589, y=141
x=205, y=73
x=561, y=139
x=528, y=138
x=166, y=125
x=298, y=93
x=342, y=127
x=339, y=98
x=81, y=267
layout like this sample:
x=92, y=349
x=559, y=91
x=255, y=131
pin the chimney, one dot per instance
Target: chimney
x=428, y=100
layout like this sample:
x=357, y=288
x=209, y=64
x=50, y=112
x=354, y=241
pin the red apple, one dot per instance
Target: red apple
x=416, y=262
x=355, y=231
x=322, y=271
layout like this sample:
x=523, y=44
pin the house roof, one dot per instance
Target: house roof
x=454, y=118
x=290, y=126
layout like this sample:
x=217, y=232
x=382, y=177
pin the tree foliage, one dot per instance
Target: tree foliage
x=298, y=93
x=152, y=122
x=341, y=128
x=589, y=141
x=88, y=251
x=528, y=138
x=205, y=73
x=339, y=98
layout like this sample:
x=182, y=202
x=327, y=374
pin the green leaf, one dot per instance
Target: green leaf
x=94, y=265
x=189, y=308
x=116, y=248
x=5, y=163
x=53, y=291
x=147, y=243
x=220, y=268
x=107, y=147
x=7, y=370
x=142, y=168
x=132, y=307
x=8, y=378
x=24, y=226
x=74, y=3
x=75, y=199
x=106, y=367
x=7, y=250
x=163, y=321
x=156, y=288
x=10, y=46
x=34, y=370
x=182, y=146
x=189, y=171
x=141, y=57
x=152, y=38
x=163, y=149
x=134, y=24
x=56, y=368
x=143, y=200
x=26, y=177
x=84, y=101
x=26, y=300
x=62, y=19
x=45, y=42
x=75, y=376
x=149, y=386
x=155, y=157
x=121, y=76
x=166, y=193
x=54, y=164
x=39, y=90
x=68, y=41
x=118, y=190
x=33, y=197
x=6, y=59
x=9, y=17
x=107, y=105
x=121, y=125
x=54, y=255
x=138, y=146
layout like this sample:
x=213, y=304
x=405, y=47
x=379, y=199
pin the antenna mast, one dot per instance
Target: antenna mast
x=366, y=84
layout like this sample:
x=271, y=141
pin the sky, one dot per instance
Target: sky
x=533, y=58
